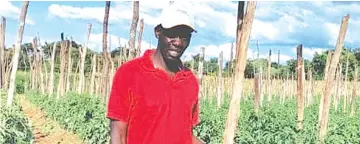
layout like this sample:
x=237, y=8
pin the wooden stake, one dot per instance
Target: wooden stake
x=243, y=34
x=141, y=29
x=257, y=94
x=328, y=59
x=135, y=20
x=220, y=81
x=346, y=81
x=352, y=102
x=200, y=70
x=15, y=58
x=329, y=79
x=300, y=92
x=2, y=52
x=82, y=52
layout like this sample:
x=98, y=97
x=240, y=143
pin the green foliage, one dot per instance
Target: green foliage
x=276, y=123
x=14, y=126
x=79, y=113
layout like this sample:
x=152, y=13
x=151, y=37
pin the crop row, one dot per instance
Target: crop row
x=276, y=122
x=15, y=128
x=79, y=113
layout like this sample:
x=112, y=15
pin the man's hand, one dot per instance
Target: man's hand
x=195, y=140
x=118, y=132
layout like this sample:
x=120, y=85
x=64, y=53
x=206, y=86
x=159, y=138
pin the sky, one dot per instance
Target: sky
x=277, y=25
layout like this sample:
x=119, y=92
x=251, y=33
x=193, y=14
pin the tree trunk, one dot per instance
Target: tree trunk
x=15, y=57
x=300, y=92
x=134, y=23
x=82, y=52
x=243, y=33
x=2, y=52
x=329, y=80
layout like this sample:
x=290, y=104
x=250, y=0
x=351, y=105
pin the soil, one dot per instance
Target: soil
x=45, y=130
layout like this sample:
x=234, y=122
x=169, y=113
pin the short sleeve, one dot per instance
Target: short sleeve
x=120, y=98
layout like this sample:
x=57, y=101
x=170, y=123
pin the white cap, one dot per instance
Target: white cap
x=174, y=15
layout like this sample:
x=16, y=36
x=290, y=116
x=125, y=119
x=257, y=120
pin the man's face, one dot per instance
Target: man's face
x=174, y=41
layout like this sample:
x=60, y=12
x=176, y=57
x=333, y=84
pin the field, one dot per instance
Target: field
x=84, y=116
x=58, y=92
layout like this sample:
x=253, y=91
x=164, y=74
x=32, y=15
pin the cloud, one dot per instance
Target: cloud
x=8, y=10
x=313, y=24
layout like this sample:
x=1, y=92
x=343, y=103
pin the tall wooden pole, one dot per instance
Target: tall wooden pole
x=329, y=79
x=300, y=90
x=243, y=34
x=15, y=58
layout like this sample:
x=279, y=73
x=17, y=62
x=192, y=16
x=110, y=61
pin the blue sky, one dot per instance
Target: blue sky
x=277, y=25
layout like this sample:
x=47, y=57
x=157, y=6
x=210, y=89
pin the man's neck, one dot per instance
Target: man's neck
x=171, y=66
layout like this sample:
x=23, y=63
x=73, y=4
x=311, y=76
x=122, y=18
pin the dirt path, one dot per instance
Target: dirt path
x=45, y=130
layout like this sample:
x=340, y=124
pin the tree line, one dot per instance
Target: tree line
x=253, y=66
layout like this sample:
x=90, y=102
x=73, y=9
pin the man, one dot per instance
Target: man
x=154, y=98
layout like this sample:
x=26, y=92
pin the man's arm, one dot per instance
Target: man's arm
x=118, y=132
x=195, y=113
x=196, y=140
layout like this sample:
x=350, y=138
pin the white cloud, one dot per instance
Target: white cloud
x=311, y=23
x=8, y=10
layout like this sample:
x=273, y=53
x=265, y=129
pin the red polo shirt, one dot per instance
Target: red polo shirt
x=158, y=109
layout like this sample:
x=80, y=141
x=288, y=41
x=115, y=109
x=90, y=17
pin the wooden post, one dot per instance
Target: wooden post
x=300, y=92
x=93, y=72
x=328, y=59
x=82, y=52
x=200, y=70
x=346, y=81
x=52, y=67
x=329, y=79
x=2, y=52
x=257, y=94
x=242, y=40
x=220, y=81
x=15, y=58
x=69, y=67
x=135, y=20
x=231, y=60
x=310, y=88
x=141, y=29
x=61, y=86
x=352, y=102
x=105, y=72
x=269, y=77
